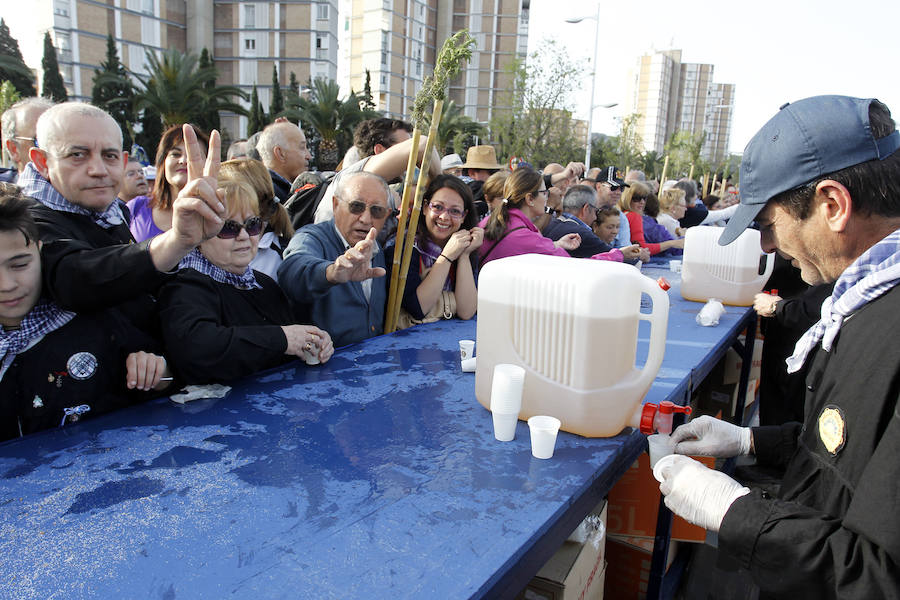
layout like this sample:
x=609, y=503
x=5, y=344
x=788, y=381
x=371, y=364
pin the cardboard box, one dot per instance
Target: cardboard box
x=733, y=362
x=575, y=572
x=634, y=503
x=628, y=567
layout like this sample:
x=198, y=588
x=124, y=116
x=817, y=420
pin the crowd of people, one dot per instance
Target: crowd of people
x=114, y=289
x=198, y=275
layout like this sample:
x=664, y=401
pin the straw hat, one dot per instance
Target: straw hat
x=481, y=157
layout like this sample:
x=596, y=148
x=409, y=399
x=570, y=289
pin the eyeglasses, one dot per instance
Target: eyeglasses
x=358, y=207
x=455, y=213
x=639, y=199
x=232, y=229
x=33, y=140
x=547, y=192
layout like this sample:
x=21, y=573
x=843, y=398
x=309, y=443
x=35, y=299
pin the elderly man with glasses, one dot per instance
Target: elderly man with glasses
x=334, y=269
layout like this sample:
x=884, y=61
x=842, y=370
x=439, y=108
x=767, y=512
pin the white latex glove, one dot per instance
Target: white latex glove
x=695, y=493
x=708, y=436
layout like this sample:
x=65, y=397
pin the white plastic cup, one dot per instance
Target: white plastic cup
x=506, y=389
x=660, y=445
x=466, y=349
x=468, y=365
x=543, y=435
x=675, y=266
x=311, y=357
x=505, y=426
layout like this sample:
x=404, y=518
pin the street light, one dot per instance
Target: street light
x=587, y=152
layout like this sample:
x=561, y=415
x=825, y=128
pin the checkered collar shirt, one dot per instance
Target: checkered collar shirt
x=44, y=318
x=34, y=185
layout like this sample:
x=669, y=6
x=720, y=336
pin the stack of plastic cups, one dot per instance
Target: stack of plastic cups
x=506, y=400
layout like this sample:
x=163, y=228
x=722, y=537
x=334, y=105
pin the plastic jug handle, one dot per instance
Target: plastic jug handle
x=770, y=265
x=659, y=319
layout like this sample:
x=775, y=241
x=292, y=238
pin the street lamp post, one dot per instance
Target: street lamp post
x=587, y=152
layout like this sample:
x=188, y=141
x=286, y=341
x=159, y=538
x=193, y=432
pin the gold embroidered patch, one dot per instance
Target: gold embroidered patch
x=832, y=429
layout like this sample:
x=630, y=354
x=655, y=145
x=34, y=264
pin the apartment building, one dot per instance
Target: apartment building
x=671, y=95
x=245, y=39
x=397, y=42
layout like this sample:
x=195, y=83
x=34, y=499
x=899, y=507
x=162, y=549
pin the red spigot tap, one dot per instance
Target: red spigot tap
x=658, y=418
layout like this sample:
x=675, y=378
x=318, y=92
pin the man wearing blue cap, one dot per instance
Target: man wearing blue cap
x=822, y=180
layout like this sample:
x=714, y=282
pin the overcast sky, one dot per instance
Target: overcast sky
x=773, y=52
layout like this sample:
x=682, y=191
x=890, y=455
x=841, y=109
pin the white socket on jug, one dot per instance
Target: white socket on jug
x=729, y=273
x=572, y=324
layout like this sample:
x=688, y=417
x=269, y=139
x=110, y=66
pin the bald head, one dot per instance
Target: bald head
x=53, y=123
x=282, y=147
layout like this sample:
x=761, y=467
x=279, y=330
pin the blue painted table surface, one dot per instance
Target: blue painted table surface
x=375, y=475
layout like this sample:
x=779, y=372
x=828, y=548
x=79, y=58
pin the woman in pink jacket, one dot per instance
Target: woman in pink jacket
x=509, y=230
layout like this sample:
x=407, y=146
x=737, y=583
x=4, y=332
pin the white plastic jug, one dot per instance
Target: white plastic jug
x=572, y=324
x=728, y=273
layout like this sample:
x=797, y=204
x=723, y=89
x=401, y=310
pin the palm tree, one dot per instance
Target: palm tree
x=175, y=86
x=456, y=131
x=651, y=163
x=330, y=118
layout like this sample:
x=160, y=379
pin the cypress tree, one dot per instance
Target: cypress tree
x=294, y=85
x=151, y=131
x=113, y=93
x=53, y=81
x=210, y=119
x=277, y=103
x=368, y=101
x=254, y=120
x=13, y=67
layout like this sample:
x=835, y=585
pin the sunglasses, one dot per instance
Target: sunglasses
x=357, y=207
x=455, y=213
x=232, y=229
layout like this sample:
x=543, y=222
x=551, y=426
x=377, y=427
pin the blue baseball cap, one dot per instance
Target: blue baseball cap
x=804, y=141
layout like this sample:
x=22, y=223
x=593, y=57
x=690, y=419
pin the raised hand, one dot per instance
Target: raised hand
x=198, y=211
x=355, y=264
x=477, y=240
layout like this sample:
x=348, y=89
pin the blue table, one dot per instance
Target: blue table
x=375, y=475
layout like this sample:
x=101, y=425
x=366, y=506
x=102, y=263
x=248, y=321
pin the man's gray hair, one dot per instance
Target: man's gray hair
x=343, y=182
x=9, y=118
x=273, y=135
x=51, y=123
x=577, y=196
x=690, y=190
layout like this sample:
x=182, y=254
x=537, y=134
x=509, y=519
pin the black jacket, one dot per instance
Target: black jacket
x=39, y=384
x=87, y=268
x=834, y=532
x=216, y=332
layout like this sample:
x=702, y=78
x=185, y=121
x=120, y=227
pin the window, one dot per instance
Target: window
x=250, y=16
x=147, y=7
x=249, y=44
x=322, y=12
x=321, y=47
x=61, y=8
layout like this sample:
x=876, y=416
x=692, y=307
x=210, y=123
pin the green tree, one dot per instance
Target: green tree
x=12, y=66
x=257, y=117
x=8, y=95
x=456, y=131
x=54, y=88
x=683, y=150
x=209, y=118
x=629, y=144
x=535, y=123
x=114, y=97
x=651, y=163
x=293, y=84
x=151, y=131
x=368, y=101
x=176, y=87
x=327, y=119
x=276, y=105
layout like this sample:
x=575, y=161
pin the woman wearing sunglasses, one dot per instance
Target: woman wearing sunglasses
x=441, y=278
x=510, y=230
x=152, y=215
x=221, y=319
x=632, y=204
